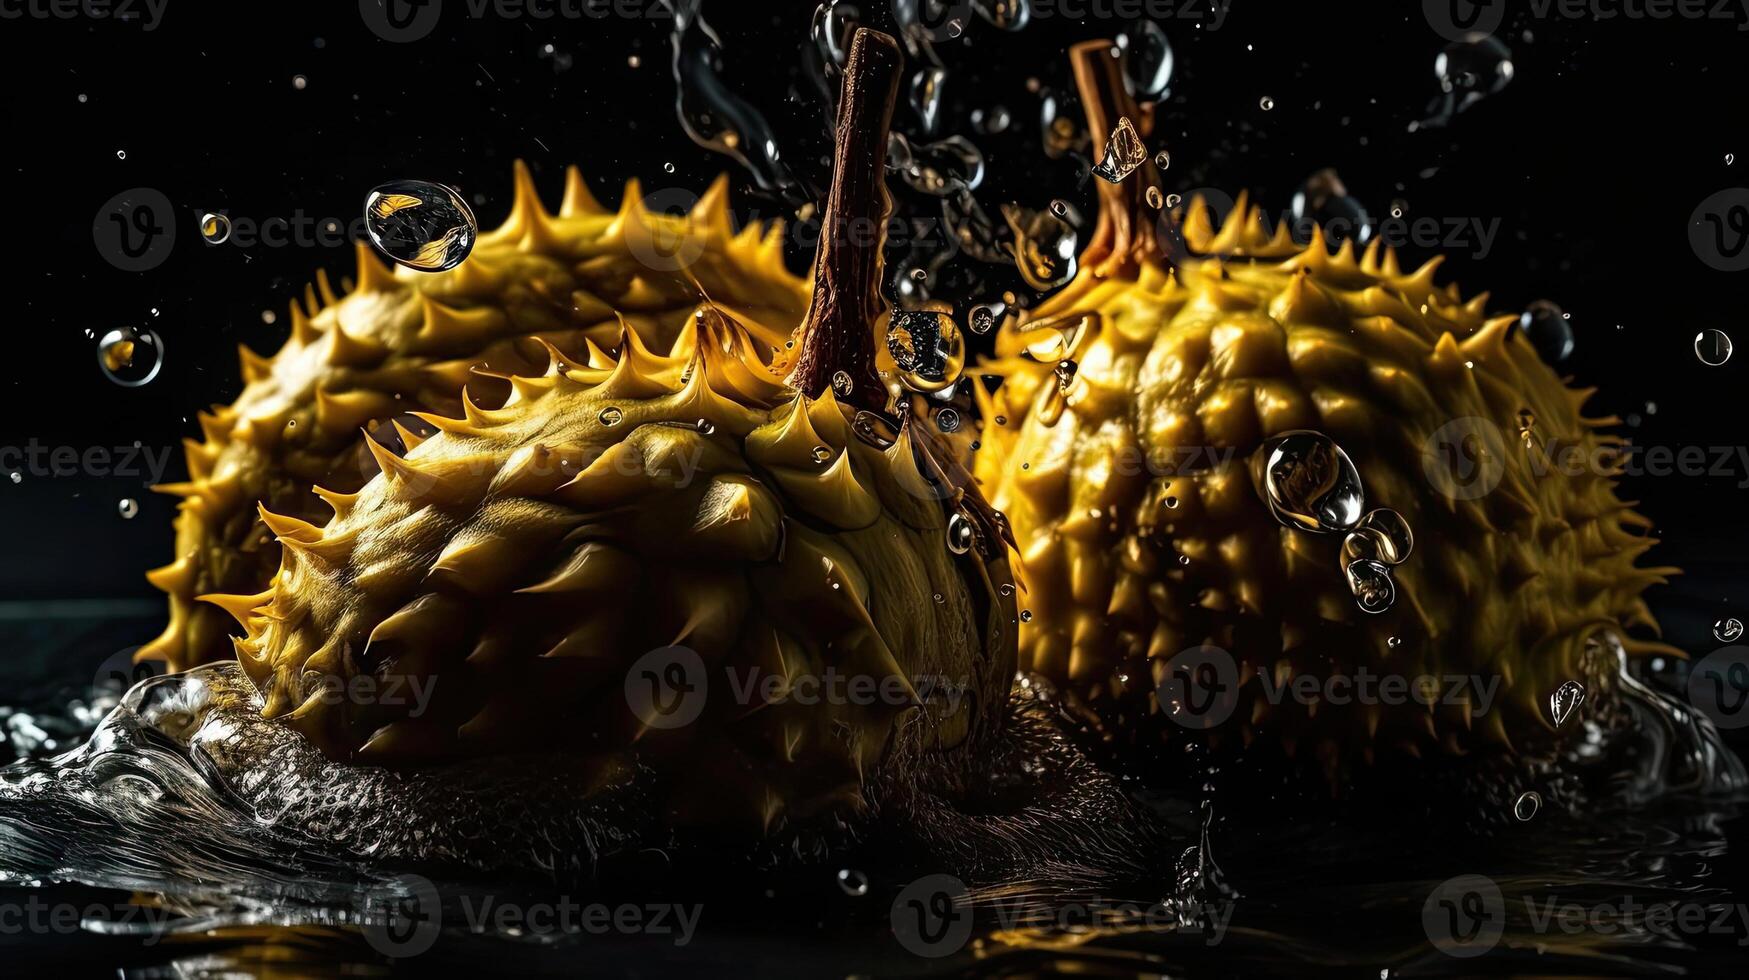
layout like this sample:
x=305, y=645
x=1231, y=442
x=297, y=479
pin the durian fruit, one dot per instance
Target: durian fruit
x=1142, y=532
x=400, y=342
x=520, y=564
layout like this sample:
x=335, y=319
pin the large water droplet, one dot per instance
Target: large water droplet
x=1728, y=630
x=1371, y=584
x=1324, y=201
x=128, y=508
x=1148, y=61
x=927, y=348
x=1713, y=347
x=1044, y=246
x=420, y=224
x=1565, y=701
x=843, y=384
x=1060, y=124
x=944, y=168
x=215, y=228
x=1382, y=536
x=1469, y=71
x=854, y=883
x=1124, y=152
x=947, y=420
x=714, y=116
x=982, y=319
x=130, y=356
x=611, y=416
x=960, y=534
x=1548, y=330
x=1308, y=482
x=925, y=97
x=1527, y=805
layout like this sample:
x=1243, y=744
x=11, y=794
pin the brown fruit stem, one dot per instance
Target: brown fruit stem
x=1127, y=236
x=838, y=334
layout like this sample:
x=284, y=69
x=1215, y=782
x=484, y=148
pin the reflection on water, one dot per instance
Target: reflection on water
x=135, y=848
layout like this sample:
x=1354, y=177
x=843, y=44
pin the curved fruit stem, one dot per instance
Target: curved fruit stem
x=838, y=334
x=1127, y=236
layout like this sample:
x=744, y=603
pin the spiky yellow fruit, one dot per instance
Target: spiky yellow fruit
x=404, y=341
x=1142, y=533
x=519, y=562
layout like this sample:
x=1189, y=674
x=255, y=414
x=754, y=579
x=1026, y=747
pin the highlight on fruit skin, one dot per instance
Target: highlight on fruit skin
x=711, y=505
x=1141, y=532
x=398, y=342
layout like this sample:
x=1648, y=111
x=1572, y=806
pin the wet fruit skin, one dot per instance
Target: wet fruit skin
x=404, y=341
x=1186, y=371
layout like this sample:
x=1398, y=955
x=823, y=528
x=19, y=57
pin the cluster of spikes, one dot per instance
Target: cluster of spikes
x=1127, y=481
x=516, y=560
x=391, y=343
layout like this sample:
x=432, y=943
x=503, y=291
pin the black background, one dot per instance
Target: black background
x=1593, y=159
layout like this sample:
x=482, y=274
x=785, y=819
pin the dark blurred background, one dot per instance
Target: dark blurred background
x=1593, y=159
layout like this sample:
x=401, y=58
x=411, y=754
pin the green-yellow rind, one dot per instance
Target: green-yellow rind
x=519, y=561
x=1183, y=377
x=400, y=342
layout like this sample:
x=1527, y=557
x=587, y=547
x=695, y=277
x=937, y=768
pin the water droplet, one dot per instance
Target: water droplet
x=130, y=356
x=16, y=476
x=1324, y=201
x=1184, y=560
x=947, y=420
x=1006, y=589
x=925, y=97
x=705, y=427
x=1468, y=70
x=822, y=454
x=1156, y=200
x=939, y=598
x=854, y=883
x=1147, y=61
x=1382, y=536
x=927, y=348
x=993, y=120
x=1171, y=503
x=1026, y=615
x=715, y=116
x=1054, y=339
x=668, y=168
x=611, y=416
x=1548, y=329
x=921, y=275
x=1266, y=103
x=1308, y=482
x=121, y=154
x=1124, y=152
x=960, y=534
x=420, y=224
x=1394, y=642
x=127, y=507
x=1173, y=200
x=842, y=384
x=1713, y=347
x=1730, y=158
x=1370, y=582
x=1565, y=701
x=983, y=319
x=1728, y=630
x=1527, y=805
x=944, y=168
x=215, y=228
x=1163, y=160
x=299, y=82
